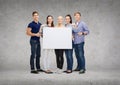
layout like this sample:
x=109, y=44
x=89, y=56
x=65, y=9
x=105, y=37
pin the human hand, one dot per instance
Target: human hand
x=80, y=33
x=74, y=25
x=37, y=34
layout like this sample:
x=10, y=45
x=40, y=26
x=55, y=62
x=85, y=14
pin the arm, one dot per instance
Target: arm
x=74, y=27
x=29, y=33
x=85, y=30
x=41, y=30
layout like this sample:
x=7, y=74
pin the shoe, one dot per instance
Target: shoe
x=34, y=72
x=76, y=69
x=81, y=71
x=65, y=71
x=40, y=70
x=59, y=71
x=48, y=72
x=69, y=71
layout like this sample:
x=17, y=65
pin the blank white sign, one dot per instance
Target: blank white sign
x=57, y=38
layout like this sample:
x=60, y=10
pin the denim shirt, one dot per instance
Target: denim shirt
x=81, y=27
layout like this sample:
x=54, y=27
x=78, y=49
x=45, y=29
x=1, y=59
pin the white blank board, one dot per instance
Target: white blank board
x=57, y=38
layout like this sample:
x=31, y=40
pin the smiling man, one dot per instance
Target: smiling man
x=33, y=31
x=80, y=30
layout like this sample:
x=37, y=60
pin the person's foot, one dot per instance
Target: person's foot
x=76, y=69
x=48, y=72
x=59, y=71
x=34, y=72
x=65, y=71
x=40, y=70
x=69, y=71
x=81, y=71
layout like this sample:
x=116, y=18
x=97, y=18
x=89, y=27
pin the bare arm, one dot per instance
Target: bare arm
x=29, y=33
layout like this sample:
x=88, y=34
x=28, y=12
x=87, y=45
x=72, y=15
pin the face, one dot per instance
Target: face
x=36, y=17
x=60, y=20
x=67, y=19
x=50, y=19
x=77, y=17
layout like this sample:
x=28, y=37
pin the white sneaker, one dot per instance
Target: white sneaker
x=58, y=71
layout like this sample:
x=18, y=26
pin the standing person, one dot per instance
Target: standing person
x=80, y=30
x=33, y=31
x=47, y=52
x=59, y=52
x=69, y=52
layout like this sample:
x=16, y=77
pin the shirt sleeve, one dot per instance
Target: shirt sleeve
x=85, y=28
x=75, y=29
x=30, y=25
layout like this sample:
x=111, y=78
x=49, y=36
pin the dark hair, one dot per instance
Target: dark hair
x=77, y=13
x=68, y=15
x=35, y=12
x=52, y=24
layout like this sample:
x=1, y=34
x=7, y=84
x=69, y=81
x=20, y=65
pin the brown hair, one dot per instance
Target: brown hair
x=77, y=13
x=52, y=24
x=68, y=15
x=35, y=12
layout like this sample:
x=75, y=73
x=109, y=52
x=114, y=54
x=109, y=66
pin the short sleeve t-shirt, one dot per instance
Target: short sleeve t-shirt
x=35, y=27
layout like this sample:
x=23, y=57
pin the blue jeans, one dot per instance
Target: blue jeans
x=79, y=52
x=35, y=54
x=69, y=57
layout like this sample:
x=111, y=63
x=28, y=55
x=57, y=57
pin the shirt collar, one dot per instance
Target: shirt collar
x=35, y=22
x=78, y=22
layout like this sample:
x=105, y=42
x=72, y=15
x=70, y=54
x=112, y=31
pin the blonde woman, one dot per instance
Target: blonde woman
x=59, y=52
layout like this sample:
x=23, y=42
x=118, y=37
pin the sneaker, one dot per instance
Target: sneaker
x=59, y=71
x=81, y=71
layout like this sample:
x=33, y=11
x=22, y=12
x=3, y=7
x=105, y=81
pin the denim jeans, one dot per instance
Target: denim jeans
x=69, y=58
x=79, y=52
x=35, y=54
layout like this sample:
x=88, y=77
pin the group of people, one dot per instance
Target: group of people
x=79, y=30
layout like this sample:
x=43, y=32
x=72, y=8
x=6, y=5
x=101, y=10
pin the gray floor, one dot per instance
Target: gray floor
x=89, y=78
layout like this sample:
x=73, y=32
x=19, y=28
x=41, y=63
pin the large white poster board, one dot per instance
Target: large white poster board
x=57, y=38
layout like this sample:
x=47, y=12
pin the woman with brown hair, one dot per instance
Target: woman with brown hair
x=47, y=52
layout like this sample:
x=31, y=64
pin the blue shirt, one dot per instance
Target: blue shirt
x=35, y=28
x=81, y=27
x=70, y=27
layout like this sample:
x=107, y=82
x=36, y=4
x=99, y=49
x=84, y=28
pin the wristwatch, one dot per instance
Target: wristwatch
x=82, y=33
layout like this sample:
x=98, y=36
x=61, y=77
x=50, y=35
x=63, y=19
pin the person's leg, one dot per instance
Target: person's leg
x=57, y=57
x=38, y=54
x=49, y=61
x=61, y=59
x=49, y=58
x=81, y=55
x=69, y=58
x=77, y=57
x=45, y=59
x=33, y=48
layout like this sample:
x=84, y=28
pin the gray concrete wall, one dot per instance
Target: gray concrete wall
x=102, y=17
